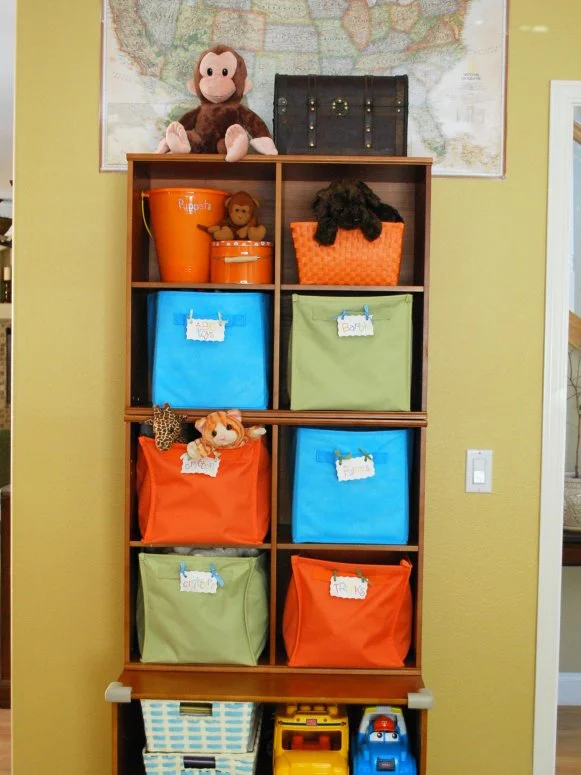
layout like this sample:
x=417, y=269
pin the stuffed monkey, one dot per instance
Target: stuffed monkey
x=241, y=221
x=221, y=124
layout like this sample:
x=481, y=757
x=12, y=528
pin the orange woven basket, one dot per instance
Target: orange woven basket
x=352, y=260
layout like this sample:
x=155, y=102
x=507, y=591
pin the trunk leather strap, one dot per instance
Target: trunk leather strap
x=312, y=110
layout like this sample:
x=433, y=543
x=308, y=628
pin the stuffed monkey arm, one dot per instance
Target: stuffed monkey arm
x=260, y=140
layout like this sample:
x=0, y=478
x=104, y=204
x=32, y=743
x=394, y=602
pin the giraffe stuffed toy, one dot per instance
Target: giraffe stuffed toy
x=167, y=427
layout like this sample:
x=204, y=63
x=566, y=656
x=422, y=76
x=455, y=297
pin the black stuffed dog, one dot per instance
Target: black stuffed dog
x=350, y=205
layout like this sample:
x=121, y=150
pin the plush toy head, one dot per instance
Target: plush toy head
x=349, y=205
x=220, y=75
x=222, y=429
x=167, y=427
x=241, y=207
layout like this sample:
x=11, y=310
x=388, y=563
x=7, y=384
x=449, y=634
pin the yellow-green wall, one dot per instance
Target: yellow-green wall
x=488, y=255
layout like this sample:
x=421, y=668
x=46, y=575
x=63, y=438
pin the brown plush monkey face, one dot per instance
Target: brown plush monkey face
x=240, y=214
x=241, y=207
x=218, y=75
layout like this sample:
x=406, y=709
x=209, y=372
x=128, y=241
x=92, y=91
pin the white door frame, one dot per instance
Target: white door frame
x=565, y=96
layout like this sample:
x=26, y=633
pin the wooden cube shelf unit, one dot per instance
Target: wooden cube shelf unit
x=285, y=186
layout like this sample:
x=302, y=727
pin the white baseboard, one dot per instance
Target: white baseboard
x=569, y=689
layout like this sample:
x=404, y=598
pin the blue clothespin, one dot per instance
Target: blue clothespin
x=366, y=310
x=182, y=569
x=342, y=315
x=216, y=575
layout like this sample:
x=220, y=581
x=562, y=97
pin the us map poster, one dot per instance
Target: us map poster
x=453, y=52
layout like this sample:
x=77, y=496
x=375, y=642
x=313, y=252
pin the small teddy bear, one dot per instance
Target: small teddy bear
x=221, y=430
x=241, y=221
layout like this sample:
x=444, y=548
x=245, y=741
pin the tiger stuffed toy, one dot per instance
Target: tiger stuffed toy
x=221, y=430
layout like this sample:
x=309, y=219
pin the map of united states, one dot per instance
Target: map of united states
x=451, y=50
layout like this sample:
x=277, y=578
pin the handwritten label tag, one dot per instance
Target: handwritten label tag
x=351, y=469
x=349, y=587
x=198, y=581
x=205, y=330
x=205, y=465
x=355, y=325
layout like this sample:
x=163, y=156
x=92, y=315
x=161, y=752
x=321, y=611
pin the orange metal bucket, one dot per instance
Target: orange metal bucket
x=241, y=261
x=183, y=250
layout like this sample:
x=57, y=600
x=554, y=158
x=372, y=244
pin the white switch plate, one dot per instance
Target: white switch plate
x=478, y=470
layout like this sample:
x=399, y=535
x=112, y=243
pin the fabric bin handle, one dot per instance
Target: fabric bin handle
x=199, y=762
x=179, y=319
x=196, y=709
x=324, y=456
x=376, y=314
x=324, y=574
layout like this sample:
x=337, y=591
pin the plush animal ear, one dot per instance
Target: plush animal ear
x=256, y=202
x=320, y=205
x=247, y=86
x=199, y=424
x=227, y=202
x=192, y=87
x=235, y=413
x=371, y=199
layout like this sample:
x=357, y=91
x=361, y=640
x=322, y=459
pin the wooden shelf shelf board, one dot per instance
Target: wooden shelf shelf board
x=288, y=417
x=355, y=688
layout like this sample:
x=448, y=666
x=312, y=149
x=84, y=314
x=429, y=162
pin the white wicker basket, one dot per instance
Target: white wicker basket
x=204, y=763
x=209, y=727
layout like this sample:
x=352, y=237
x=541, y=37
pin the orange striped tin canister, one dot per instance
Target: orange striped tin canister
x=241, y=261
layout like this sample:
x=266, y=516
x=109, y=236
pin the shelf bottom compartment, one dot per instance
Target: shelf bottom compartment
x=128, y=727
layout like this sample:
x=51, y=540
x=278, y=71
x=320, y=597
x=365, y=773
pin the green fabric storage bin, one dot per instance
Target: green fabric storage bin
x=371, y=373
x=229, y=626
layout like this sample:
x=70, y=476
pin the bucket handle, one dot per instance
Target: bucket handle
x=145, y=194
x=239, y=259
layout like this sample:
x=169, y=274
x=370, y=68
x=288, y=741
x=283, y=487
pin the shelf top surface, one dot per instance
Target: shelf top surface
x=270, y=687
x=215, y=158
x=294, y=417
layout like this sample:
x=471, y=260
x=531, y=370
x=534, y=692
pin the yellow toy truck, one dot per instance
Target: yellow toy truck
x=311, y=740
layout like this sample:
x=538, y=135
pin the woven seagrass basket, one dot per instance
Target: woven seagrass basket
x=352, y=260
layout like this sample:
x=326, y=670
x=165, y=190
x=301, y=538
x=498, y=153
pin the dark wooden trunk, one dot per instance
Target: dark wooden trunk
x=341, y=114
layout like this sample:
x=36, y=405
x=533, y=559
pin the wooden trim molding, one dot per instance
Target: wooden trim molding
x=565, y=96
x=576, y=131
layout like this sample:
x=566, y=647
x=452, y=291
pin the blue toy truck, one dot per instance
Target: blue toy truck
x=382, y=743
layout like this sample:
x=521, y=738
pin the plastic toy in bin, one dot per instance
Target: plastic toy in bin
x=311, y=739
x=382, y=743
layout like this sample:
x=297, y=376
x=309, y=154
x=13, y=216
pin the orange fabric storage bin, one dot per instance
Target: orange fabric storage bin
x=352, y=260
x=320, y=630
x=192, y=508
x=241, y=261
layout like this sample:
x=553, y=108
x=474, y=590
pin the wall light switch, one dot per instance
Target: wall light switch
x=478, y=470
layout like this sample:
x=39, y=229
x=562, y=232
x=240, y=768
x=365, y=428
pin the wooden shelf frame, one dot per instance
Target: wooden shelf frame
x=284, y=185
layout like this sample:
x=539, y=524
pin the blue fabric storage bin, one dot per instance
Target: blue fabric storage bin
x=366, y=511
x=212, y=375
